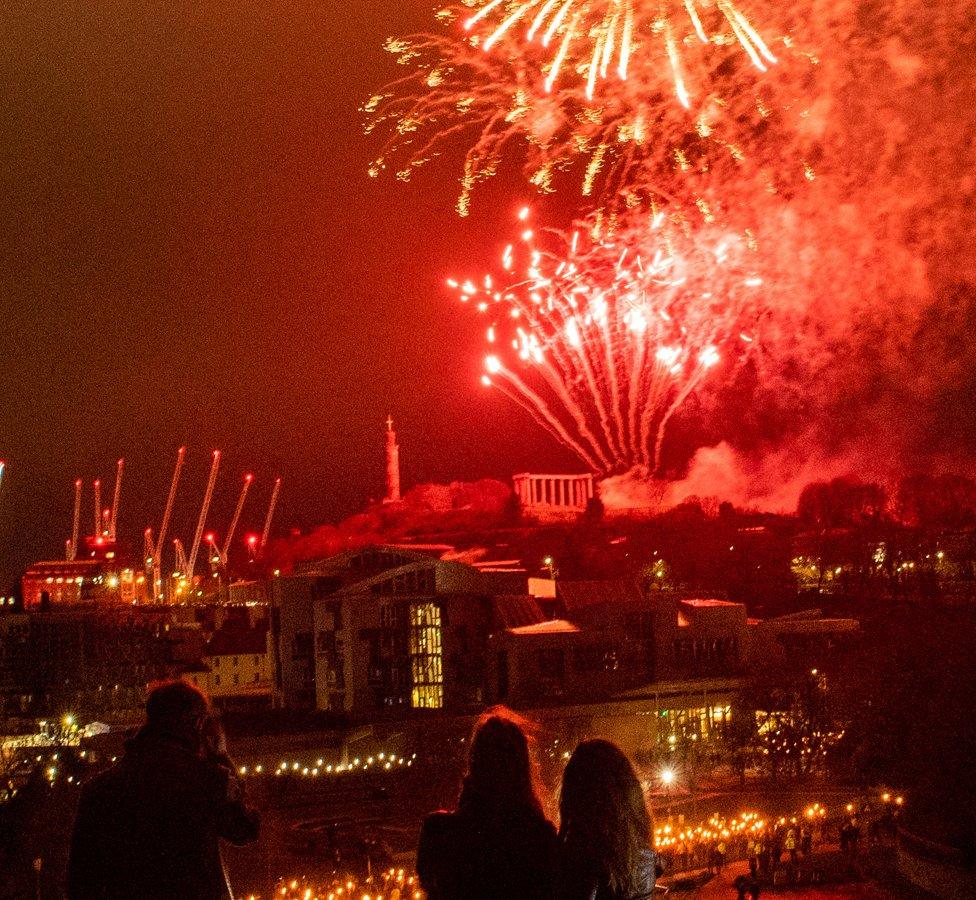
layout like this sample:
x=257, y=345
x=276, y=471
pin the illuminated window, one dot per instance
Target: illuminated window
x=426, y=657
x=698, y=723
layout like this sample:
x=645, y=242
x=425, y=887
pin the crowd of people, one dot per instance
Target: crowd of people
x=764, y=842
x=151, y=825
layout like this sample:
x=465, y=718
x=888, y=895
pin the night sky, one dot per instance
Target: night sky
x=192, y=253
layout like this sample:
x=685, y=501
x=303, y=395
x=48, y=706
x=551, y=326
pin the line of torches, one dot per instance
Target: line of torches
x=379, y=762
x=396, y=884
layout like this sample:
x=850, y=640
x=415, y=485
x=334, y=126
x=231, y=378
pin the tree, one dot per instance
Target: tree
x=794, y=726
x=740, y=737
x=909, y=690
x=841, y=503
x=512, y=513
x=937, y=501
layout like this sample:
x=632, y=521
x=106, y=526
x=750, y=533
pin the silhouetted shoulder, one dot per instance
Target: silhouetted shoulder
x=440, y=838
x=439, y=823
x=465, y=856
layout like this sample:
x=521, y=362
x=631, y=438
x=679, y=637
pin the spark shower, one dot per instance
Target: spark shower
x=661, y=112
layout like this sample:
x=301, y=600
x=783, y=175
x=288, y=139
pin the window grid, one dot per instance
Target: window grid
x=426, y=657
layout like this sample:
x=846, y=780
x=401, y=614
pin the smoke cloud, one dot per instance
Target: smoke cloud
x=425, y=508
x=865, y=353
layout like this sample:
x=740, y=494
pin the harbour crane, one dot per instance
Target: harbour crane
x=72, y=553
x=202, y=520
x=232, y=528
x=157, y=555
x=113, y=521
x=267, y=519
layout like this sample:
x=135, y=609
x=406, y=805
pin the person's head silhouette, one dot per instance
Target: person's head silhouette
x=178, y=710
x=500, y=770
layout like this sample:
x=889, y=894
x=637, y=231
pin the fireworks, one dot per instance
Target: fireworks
x=601, y=39
x=622, y=136
x=664, y=114
x=603, y=337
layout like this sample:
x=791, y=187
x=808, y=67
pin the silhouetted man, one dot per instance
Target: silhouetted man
x=149, y=827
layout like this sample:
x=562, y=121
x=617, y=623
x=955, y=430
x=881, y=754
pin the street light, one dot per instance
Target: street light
x=667, y=779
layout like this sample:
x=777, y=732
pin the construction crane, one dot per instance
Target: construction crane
x=202, y=520
x=98, y=507
x=113, y=521
x=235, y=519
x=267, y=519
x=72, y=553
x=157, y=555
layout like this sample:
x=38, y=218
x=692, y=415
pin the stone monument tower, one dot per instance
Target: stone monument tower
x=392, y=464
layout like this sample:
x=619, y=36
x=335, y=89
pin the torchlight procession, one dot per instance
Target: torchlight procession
x=686, y=847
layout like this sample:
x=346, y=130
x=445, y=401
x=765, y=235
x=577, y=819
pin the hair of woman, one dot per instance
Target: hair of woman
x=501, y=774
x=604, y=820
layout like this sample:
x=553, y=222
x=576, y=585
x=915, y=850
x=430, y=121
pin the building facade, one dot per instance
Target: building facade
x=67, y=582
x=95, y=660
x=386, y=630
x=389, y=631
x=407, y=638
x=236, y=666
x=553, y=496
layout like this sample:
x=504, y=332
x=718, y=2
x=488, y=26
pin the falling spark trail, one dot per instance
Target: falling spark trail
x=611, y=335
x=599, y=28
x=628, y=97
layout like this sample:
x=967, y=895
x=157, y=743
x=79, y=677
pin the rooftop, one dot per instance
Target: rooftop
x=578, y=595
x=238, y=641
x=553, y=626
x=517, y=611
x=705, y=603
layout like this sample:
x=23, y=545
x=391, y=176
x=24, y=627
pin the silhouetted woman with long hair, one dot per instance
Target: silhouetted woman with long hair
x=498, y=843
x=605, y=829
